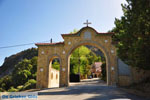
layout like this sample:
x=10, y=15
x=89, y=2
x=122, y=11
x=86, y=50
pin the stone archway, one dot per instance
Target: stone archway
x=86, y=35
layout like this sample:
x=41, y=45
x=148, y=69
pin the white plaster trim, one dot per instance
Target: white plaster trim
x=112, y=51
x=112, y=68
x=63, y=52
x=41, y=69
x=106, y=41
x=69, y=43
x=42, y=52
x=63, y=69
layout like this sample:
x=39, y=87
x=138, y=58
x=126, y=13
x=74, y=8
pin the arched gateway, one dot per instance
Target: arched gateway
x=63, y=50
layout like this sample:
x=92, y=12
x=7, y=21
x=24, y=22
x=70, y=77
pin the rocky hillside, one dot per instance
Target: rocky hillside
x=97, y=51
x=11, y=61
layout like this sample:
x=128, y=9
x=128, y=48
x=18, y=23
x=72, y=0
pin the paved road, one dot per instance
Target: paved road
x=87, y=90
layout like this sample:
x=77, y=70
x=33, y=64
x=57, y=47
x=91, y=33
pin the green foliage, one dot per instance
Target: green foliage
x=6, y=82
x=30, y=84
x=20, y=87
x=10, y=62
x=12, y=89
x=24, y=72
x=82, y=58
x=34, y=66
x=87, y=71
x=56, y=65
x=104, y=75
x=74, y=31
x=2, y=90
x=132, y=34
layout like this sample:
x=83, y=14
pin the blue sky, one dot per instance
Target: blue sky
x=31, y=21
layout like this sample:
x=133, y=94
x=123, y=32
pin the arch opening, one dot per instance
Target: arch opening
x=103, y=62
x=54, y=72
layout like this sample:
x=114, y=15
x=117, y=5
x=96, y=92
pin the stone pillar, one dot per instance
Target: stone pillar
x=63, y=74
x=42, y=72
x=113, y=69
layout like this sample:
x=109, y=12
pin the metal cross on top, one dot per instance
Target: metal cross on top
x=87, y=23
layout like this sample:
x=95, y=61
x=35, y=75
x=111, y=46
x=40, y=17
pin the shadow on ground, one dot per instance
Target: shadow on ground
x=97, y=92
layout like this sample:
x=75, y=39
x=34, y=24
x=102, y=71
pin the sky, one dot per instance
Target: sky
x=33, y=21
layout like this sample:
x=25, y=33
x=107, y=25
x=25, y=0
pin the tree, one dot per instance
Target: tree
x=5, y=82
x=22, y=77
x=132, y=34
x=74, y=31
x=56, y=65
x=82, y=58
x=24, y=71
x=104, y=74
x=34, y=67
x=21, y=72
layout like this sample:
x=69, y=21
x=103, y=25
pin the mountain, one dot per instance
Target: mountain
x=95, y=50
x=11, y=61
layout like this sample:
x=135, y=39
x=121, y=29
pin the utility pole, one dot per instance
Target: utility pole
x=51, y=41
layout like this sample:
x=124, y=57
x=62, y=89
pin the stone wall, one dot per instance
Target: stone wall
x=124, y=73
x=129, y=75
x=139, y=75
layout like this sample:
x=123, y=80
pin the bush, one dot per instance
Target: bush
x=24, y=70
x=6, y=82
x=30, y=84
x=32, y=81
x=104, y=72
x=2, y=90
x=23, y=74
x=12, y=89
x=20, y=87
